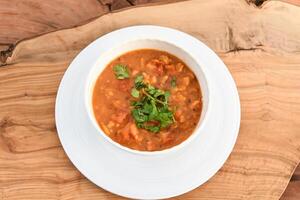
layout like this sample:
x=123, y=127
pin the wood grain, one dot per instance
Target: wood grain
x=261, y=48
x=3, y=47
x=33, y=17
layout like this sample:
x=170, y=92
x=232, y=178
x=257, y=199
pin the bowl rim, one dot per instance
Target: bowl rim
x=89, y=93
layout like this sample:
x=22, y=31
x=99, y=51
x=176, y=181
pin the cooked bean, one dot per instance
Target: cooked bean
x=119, y=104
x=108, y=93
x=153, y=80
x=186, y=81
x=151, y=65
x=195, y=104
x=164, y=79
x=134, y=72
x=110, y=124
x=165, y=59
x=105, y=129
x=180, y=98
x=146, y=77
x=170, y=68
x=125, y=133
x=150, y=146
x=165, y=137
x=179, y=67
x=178, y=114
x=181, y=119
x=156, y=67
x=135, y=132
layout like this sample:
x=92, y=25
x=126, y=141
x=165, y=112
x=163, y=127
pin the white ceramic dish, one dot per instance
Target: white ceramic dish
x=134, y=174
x=142, y=43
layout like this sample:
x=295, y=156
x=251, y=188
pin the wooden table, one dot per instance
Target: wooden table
x=25, y=19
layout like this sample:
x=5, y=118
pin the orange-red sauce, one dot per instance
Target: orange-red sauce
x=112, y=100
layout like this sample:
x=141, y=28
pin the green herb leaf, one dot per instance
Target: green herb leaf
x=138, y=82
x=154, y=129
x=167, y=95
x=121, y=71
x=158, y=92
x=135, y=93
x=151, y=112
x=154, y=111
x=147, y=108
x=166, y=118
x=173, y=81
x=139, y=116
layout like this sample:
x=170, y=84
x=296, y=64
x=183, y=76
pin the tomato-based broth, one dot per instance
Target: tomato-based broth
x=147, y=100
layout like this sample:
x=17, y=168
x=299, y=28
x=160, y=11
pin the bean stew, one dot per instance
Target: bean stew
x=147, y=100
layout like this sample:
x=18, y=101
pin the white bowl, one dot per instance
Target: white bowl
x=115, y=51
x=148, y=175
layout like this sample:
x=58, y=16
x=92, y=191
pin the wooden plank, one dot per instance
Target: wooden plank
x=3, y=47
x=33, y=17
x=25, y=19
x=261, y=50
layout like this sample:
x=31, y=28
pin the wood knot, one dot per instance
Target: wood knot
x=257, y=3
x=5, y=54
x=5, y=122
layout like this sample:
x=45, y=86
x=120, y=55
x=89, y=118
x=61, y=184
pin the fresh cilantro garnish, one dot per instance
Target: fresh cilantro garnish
x=173, y=81
x=154, y=129
x=152, y=111
x=121, y=71
x=138, y=82
x=135, y=93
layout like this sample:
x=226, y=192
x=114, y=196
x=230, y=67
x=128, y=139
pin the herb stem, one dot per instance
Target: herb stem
x=174, y=120
x=148, y=95
x=151, y=107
